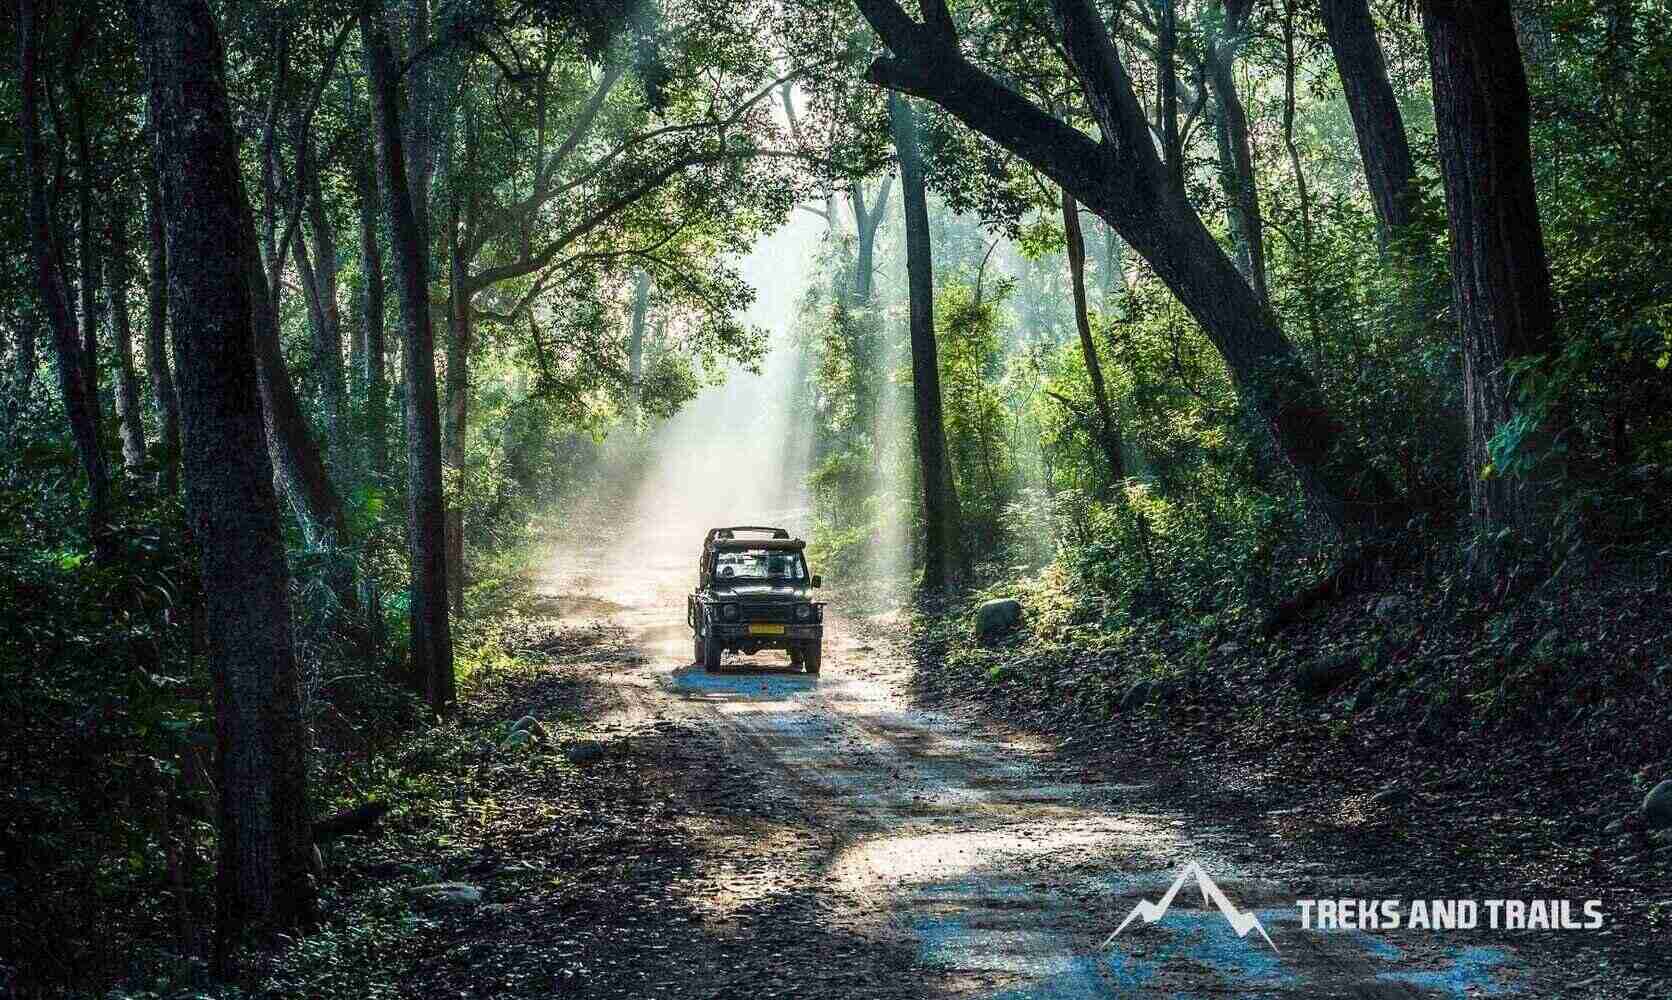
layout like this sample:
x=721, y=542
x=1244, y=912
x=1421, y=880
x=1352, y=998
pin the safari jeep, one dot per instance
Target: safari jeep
x=755, y=593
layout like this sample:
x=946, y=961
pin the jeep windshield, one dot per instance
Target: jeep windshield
x=759, y=564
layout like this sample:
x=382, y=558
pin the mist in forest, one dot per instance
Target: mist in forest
x=739, y=452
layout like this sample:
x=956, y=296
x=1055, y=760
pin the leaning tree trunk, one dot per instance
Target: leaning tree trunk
x=1122, y=179
x=940, y=497
x=1108, y=430
x=79, y=404
x=121, y=328
x=1500, y=278
x=432, y=647
x=156, y=342
x=1375, y=110
x=264, y=838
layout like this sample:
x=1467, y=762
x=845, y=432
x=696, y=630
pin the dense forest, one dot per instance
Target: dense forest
x=1187, y=320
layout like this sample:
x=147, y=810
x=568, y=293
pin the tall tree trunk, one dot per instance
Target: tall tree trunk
x=121, y=328
x=461, y=335
x=1122, y=179
x=156, y=337
x=1108, y=430
x=1166, y=57
x=1236, y=158
x=320, y=271
x=265, y=834
x=635, y=342
x=941, y=548
x=87, y=254
x=1376, y=117
x=297, y=462
x=867, y=219
x=371, y=318
x=1309, y=285
x=1500, y=278
x=432, y=647
x=80, y=406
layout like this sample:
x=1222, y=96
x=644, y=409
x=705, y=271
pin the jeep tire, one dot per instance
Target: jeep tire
x=711, y=652
x=811, y=654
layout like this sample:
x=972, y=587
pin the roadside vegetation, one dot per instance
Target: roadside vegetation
x=1222, y=338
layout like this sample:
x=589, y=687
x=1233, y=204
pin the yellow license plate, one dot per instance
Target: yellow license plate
x=766, y=630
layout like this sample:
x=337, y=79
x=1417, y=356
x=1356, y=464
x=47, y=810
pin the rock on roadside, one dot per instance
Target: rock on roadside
x=1657, y=806
x=996, y=617
x=585, y=750
x=446, y=896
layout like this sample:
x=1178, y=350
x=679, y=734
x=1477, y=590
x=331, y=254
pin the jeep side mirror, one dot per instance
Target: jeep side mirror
x=818, y=581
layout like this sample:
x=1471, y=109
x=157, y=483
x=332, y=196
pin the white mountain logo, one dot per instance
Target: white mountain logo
x=1212, y=895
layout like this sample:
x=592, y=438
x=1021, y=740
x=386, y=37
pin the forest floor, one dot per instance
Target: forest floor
x=875, y=832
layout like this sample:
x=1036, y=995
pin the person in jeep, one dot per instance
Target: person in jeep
x=755, y=593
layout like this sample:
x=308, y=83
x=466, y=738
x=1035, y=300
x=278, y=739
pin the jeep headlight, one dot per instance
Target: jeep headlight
x=803, y=612
x=728, y=612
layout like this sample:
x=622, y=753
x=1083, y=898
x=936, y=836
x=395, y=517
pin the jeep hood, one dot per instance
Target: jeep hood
x=763, y=592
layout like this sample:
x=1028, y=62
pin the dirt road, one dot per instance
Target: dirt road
x=982, y=864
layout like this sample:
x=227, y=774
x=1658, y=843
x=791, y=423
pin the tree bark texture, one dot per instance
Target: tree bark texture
x=432, y=648
x=264, y=880
x=1500, y=277
x=1377, y=121
x=940, y=500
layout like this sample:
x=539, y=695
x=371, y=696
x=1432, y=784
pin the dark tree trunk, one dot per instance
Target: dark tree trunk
x=432, y=648
x=1123, y=180
x=1376, y=117
x=1500, y=278
x=156, y=337
x=1236, y=158
x=121, y=328
x=1303, y=194
x=940, y=497
x=327, y=329
x=1108, y=430
x=265, y=840
x=87, y=253
x=371, y=319
x=1166, y=57
x=867, y=220
x=80, y=406
x=297, y=462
